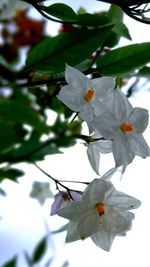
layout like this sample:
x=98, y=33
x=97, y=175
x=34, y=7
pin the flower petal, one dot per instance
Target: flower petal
x=94, y=156
x=116, y=221
x=71, y=98
x=74, y=210
x=77, y=79
x=122, y=201
x=139, y=119
x=139, y=145
x=98, y=190
x=89, y=224
x=104, y=87
x=122, y=152
x=106, y=124
x=72, y=232
x=120, y=106
x=103, y=239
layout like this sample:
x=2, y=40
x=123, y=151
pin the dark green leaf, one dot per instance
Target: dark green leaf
x=145, y=72
x=11, y=174
x=39, y=251
x=72, y=48
x=12, y=111
x=124, y=60
x=8, y=136
x=94, y=20
x=11, y=263
x=119, y=30
x=62, y=11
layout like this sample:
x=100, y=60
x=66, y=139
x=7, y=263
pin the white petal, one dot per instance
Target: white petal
x=72, y=98
x=74, y=210
x=120, y=107
x=139, y=119
x=103, y=87
x=77, y=79
x=98, y=190
x=116, y=221
x=139, y=145
x=89, y=224
x=103, y=239
x=122, y=201
x=94, y=156
x=72, y=232
x=122, y=152
x=107, y=176
x=106, y=124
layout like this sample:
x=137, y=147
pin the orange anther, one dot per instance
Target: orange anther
x=89, y=94
x=100, y=208
x=126, y=127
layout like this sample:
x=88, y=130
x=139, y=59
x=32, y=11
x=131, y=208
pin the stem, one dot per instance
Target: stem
x=57, y=182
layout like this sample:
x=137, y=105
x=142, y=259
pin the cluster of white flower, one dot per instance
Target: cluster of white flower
x=102, y=212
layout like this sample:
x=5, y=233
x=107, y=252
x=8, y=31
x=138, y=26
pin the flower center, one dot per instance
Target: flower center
x=89, y=94
x=126, y=127
x=100, y=208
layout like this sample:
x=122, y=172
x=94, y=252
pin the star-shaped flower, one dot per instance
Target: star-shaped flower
x=41, y=191
x=124, y=125
x=102, y=214
x=85, y=96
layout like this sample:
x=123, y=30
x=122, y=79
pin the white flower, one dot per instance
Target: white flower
x=85, y=96
x=9, y=7
x=124, y=125
x=41, y=191
x=95, y=148
x=102, y=214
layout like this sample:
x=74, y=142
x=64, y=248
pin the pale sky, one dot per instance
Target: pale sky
x=23, y=222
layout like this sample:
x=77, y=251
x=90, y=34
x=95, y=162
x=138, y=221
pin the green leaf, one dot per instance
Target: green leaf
x=124, y=60
x=115, y=13
x=11, y=174
x=145, y=72
x=62, y=11
x=39, y=251
x=11, y=263
x=9, y=136
x=94, y=20
x=14, y=112
x=71, y=47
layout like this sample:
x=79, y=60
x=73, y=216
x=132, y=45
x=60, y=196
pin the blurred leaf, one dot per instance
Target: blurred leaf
x=94, y=20
x=124, y=60
x=13, y=111
x=62, y=11
x=39, y=251
x=145, y=72
x=8, y=136
x=2, y=192
x=115, y=13
x=119, y=30
x=11, y=174
x=11, y=263
x=69, y=47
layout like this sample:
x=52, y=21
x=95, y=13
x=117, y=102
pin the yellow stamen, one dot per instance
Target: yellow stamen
x=89, y=94
x=100, y=208
x=126, y=127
